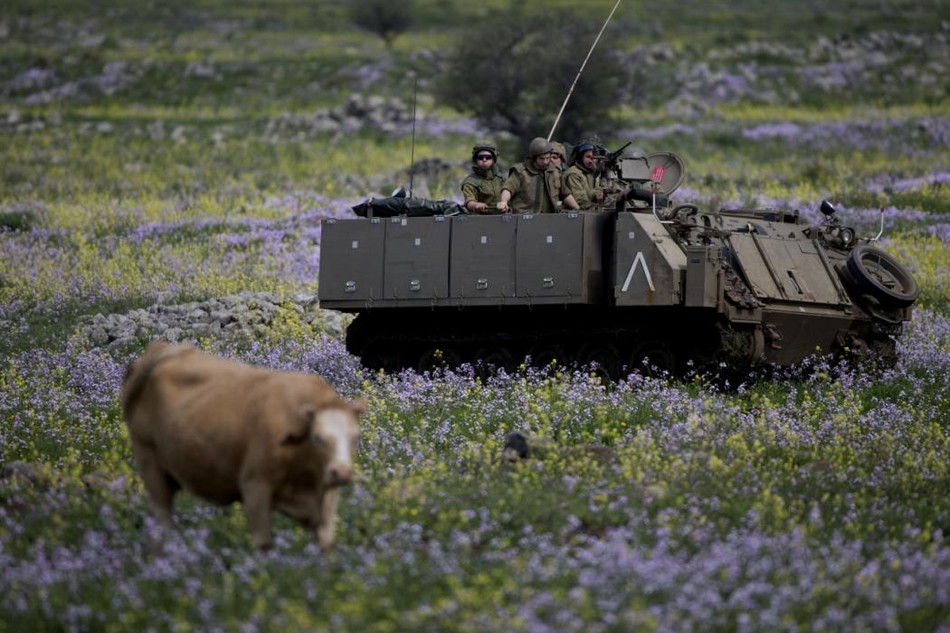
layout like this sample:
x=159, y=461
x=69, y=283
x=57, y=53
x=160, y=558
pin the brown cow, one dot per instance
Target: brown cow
x=229, y=432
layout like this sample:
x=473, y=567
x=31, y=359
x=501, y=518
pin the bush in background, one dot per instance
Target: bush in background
x=384, y=18
x=514, y=69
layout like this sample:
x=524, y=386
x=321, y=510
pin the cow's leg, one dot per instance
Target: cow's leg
x=160, y=486
x=257, y=497
x=326, y=523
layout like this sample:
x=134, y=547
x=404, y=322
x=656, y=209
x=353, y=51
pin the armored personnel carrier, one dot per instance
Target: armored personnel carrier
x=639, y=283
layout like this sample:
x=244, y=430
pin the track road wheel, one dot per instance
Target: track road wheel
x=438, y=357
x=602, y=357
x=490, y=359
x=653, y=358
x=383, y=355
x=547, y=355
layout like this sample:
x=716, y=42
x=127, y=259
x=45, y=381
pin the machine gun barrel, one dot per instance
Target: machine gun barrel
x=612, y=157
x=607, y=161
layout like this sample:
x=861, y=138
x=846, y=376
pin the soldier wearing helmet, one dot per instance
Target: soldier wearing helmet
x=533, y=186
x=557, y=156
x=481, y=189
x=581, y=180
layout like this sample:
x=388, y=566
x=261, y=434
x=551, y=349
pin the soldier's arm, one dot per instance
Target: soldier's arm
x=599, y=192
x=470, y=195
x=511, y=187
x=574, y=187
x=504, y=198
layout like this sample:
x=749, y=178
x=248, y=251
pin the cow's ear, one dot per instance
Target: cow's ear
x=360, y=406
x=300, y=428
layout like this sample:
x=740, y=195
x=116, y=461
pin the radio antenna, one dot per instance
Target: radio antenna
x=571, y=91
x=412, y=146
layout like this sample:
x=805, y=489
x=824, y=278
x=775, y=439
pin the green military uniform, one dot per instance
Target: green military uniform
x=533, y=191
x=582, y=185
x=483, y=186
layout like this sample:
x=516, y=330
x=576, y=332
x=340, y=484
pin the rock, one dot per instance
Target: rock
x=244, y=314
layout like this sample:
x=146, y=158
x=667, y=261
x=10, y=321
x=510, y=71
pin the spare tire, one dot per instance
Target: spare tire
x=880, y=275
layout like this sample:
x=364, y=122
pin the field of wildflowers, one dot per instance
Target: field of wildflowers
x=170, y=152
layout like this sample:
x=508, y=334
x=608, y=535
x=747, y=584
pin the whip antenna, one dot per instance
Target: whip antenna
x=571, y=91
x=412, y=146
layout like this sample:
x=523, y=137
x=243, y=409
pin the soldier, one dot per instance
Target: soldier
x=533, y=186
x=557, y=156
x=481, y=189
x=580, y=180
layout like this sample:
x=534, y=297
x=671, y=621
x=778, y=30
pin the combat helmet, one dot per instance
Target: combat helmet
x=484, y=146
x=538, y=146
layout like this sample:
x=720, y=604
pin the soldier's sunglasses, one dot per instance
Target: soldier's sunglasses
x=484, y=157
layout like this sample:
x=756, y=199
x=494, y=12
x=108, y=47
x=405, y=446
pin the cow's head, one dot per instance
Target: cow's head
x=334, y=431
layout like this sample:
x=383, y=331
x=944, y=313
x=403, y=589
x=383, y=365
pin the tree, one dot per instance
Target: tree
x=514, y=71
x=385, y=18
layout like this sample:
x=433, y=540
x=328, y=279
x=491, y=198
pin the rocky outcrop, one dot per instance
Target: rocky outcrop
x=246, y=314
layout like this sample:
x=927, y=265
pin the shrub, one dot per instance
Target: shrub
x=514, y=70
x=384, y=18
x=17, y=220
